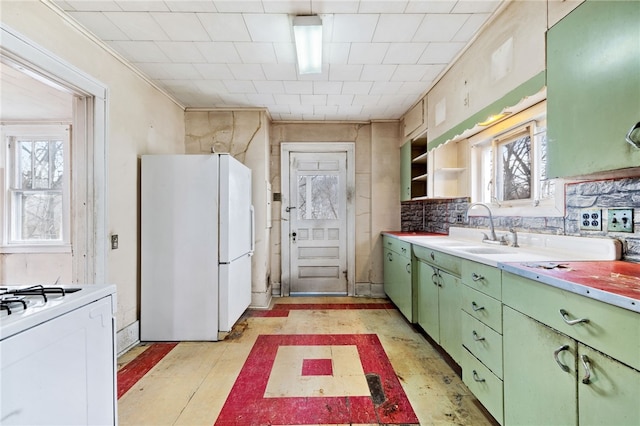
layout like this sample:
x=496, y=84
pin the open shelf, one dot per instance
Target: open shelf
x=420, y=178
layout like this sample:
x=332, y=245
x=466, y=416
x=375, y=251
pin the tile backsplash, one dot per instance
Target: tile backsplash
x=437, y=215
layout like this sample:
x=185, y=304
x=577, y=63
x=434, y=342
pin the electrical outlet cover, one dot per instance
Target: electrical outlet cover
x=591, y=219
x=620, y=220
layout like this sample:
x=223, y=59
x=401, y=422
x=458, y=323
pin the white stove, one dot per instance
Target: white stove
x=57, y=346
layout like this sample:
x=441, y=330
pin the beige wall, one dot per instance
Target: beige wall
x=377, y=181
x=245, y=135
x=140, y=120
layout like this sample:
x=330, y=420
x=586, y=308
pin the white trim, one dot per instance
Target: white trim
x=286, y=148
x=19, y=48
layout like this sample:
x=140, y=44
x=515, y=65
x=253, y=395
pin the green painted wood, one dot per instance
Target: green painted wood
x=536, y=390
x=428, y=300
x=450, y=319
x=405, y=171
x=612, y=330
x=528, y=88
x=612, y=395
x=593, y=88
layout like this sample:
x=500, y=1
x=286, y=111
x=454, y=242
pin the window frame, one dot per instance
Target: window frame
x=34, y=130
x=533, y=117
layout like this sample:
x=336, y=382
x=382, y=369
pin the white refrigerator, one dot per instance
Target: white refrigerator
x=197, y=239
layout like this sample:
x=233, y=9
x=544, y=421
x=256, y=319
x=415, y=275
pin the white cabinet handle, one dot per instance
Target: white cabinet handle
x=565, y=317
x=556, y=353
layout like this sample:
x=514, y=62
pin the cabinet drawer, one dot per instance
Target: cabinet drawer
x=483, y=342
x=482, y=307
x=484, y=278
x=444, y=261
x=483, y=384
x=612, y=330
x=399, y=246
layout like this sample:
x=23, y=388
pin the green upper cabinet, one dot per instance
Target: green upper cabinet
x=593, y=88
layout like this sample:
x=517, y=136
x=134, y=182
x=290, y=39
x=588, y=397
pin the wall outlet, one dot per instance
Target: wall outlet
x=620, y=220
x=591, y=219
x=114, y=241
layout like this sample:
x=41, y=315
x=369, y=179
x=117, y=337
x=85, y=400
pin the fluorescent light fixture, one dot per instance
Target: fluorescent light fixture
x=494, y=119
x=307, y=31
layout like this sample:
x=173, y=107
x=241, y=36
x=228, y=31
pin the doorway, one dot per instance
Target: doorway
x=318, y=216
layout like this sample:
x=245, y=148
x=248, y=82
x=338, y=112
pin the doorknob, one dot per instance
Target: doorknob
x=288, y=209
x=293, y=235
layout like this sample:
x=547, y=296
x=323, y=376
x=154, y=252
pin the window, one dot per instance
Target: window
x=509, y=166
x=36, y=185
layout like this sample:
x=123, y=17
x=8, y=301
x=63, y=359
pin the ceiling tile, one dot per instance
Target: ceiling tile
x=354, y=28
x=378, y=72
x=271, y=27
x=169, y=71
x=356, y=87
x=240, y=86
x=190, y=6
x=181, y=52
x=256, y=53
x=93, y=5
x=439, y=27
x=235, y=100
x=285, y=52
x=367, y=53
x=287, y=99
x=366, y=100
x=475, y=6
x=269, y=86
x=470, y=27
x=339, y=72
x=246, y=71
x=342, y=6
x=279, y=71
x=299, y=87
x=293, y=7
x=225, y=26
x=313, y=99
x=413, y=87
x=403, y=53
x=327, y=87
x=219, y=52
x=142, y=6
x=430, y=6
x=99, y=25
x=340, y=99
x=385, y=87
x=408, y=73
x=139, y=26
x=215, y=87
x=140, y=51
x=260, y=99
x=336, y=53
x=214, y=71
x=432, y=71
x=325, y=109
x=234, y=6
x=440, y=53
x=380, y=6
x=181, y=26
x=397, y=27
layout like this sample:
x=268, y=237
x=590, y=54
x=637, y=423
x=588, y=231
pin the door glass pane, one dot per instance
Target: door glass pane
x=318, y=197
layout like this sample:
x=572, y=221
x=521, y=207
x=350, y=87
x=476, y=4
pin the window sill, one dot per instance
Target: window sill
x=36, y=249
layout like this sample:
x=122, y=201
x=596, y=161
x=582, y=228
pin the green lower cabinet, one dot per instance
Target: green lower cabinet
x=397, y=282
x=612, y=394
x=439, y=295
x=539, y=387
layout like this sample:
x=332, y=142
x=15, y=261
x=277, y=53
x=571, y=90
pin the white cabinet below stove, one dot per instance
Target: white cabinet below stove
x=62, y=371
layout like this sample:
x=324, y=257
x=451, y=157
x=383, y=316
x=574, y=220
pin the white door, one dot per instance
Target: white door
x=317, y=223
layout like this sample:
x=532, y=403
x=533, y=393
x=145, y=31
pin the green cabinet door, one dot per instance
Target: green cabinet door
x=428, y=304
x=611, y=396
x=593, y=88
x=450, y=293
x=405, y=171
x=397, y=282
x=539, y=387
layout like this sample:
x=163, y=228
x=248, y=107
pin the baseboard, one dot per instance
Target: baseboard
x=128, y=337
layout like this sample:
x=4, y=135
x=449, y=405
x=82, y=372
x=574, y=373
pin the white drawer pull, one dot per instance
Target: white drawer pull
x=476, y=337
x=587, y=369
x=475, y=306
x=556, y=353
x=565, y=317
x=476, y=277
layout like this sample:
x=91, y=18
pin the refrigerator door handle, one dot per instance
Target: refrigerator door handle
x=253, y=231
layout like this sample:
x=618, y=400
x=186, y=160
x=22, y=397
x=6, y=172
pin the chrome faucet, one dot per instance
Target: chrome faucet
x=491, y=227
